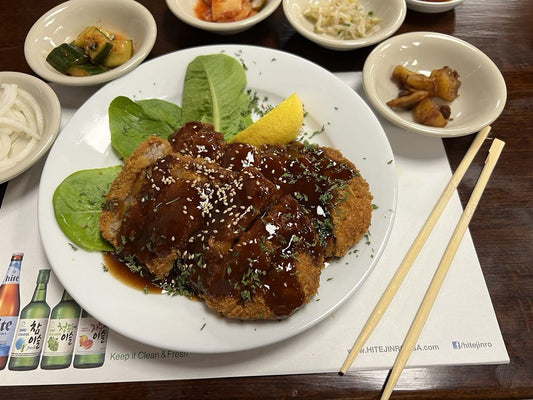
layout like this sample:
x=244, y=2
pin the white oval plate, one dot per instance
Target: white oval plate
x=177, y=323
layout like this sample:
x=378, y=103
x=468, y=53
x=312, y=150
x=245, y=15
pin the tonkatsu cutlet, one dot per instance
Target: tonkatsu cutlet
x=246, y=229
x=229, y=235
x=326, y=184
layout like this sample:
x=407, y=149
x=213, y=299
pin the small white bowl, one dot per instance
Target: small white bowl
x=184, y=10
x=432, y=7
x=392, y=14
x=482, y=94
x=63, y=23
x=51, y=109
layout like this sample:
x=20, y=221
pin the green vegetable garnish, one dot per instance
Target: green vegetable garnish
x=214, y=92
x=131, y=122
x=78, y=204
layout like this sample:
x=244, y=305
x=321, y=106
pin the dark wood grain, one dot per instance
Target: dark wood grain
x=501, y=228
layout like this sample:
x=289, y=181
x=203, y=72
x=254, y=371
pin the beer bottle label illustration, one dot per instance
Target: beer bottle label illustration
x=31, y=331
x=9, y=306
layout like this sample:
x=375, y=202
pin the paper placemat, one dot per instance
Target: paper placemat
x=462, y=328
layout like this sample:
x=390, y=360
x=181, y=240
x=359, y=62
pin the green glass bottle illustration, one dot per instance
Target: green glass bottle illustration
x=61, y=336
x=91, y=343
x=31, y=331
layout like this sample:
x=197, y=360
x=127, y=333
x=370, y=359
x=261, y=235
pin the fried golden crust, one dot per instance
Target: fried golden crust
x=351, y=211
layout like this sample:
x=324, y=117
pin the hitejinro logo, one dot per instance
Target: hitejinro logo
x=458, y=345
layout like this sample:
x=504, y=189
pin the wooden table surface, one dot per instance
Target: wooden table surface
x=501, y=228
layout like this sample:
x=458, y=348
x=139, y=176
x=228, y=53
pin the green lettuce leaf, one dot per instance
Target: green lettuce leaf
x=78, y=204
x=213, y=92
x=131, y=122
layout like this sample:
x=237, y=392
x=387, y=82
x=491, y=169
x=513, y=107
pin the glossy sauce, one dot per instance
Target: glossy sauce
x=121, y=272
x=305, y=172
x=263, y=261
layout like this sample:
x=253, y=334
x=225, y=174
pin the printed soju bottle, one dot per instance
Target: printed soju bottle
x=33, y=320
x=61, y=336
x=9, y=306
x=91, y=343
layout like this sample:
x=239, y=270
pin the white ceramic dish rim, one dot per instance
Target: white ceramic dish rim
x=52, y=119
x=185, y=13
x=432, y=7
x=37, y=61
x=449, y=131
x=147, y=318
x=293, y=12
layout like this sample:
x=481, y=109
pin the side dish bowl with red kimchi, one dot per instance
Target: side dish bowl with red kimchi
x=224, y=17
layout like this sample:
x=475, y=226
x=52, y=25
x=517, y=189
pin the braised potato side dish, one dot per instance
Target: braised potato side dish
x=418, y=90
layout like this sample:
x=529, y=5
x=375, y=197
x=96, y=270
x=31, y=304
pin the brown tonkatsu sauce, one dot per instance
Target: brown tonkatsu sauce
x=303, y=171
x=121, y=272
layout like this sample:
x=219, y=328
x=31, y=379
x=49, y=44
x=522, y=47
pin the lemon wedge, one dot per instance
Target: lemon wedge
x=279, y=126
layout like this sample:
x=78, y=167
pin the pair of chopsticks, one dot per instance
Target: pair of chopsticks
x=438, y=278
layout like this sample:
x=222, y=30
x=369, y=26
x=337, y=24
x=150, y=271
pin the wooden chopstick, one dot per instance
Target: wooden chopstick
x=440, y=274
x=414, y=250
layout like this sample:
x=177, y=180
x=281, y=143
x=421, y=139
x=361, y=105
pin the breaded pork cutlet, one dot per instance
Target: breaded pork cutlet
x=246, y=229
x=272, y=270
x=350, y=208
x=326, y=184
x=125, y=188
x=229, y=236
x=162, y=203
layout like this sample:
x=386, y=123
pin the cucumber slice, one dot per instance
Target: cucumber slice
x=66, y=56
x=95, y=42
x=86, y=70
x=121, y=52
